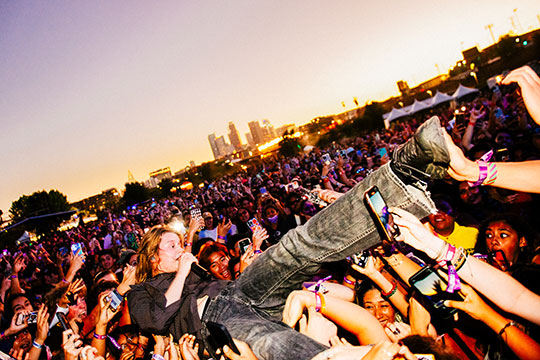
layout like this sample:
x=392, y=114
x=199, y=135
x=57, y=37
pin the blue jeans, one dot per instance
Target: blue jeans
x=251, y=306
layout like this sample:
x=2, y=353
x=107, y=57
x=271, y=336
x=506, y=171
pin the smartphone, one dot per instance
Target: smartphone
x=254, y=225
x=62, y=318
x=459, y=115
x=433, y=286
x=361, y=259
x=196, y=214
x=326, y=159
x=116, y=299
x=218, y=337
x=498, y=259
x=292, y=186
x=378, y=210
x=31, y=318
x=313, y=198
x=243, y=245
x=76, y=249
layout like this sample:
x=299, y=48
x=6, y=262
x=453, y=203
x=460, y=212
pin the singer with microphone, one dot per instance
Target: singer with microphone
x=171, y=287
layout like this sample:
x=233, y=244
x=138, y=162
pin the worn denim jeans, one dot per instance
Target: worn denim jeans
x=251, y=306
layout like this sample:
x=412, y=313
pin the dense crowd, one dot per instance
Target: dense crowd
x=118, y=287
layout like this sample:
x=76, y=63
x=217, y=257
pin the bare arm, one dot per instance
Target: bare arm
x=350, y=316
x=522, y=176
x=508, y=293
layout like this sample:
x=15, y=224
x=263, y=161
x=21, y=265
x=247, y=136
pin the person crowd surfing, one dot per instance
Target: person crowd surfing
x=295, y=272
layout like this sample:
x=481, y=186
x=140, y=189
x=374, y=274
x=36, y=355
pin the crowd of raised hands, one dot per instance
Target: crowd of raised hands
x=59, y=303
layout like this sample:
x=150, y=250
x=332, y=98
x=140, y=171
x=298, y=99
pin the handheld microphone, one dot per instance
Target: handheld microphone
x=200, y=271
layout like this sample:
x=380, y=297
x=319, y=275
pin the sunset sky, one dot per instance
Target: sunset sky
x=92, y=89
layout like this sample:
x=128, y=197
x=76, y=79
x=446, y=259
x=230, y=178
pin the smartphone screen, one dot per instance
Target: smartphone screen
x=428, y=282
x=381, y=215
x=243, y=245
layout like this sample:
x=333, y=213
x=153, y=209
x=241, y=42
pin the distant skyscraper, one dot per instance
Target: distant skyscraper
x=223, y=146
x=249, y=139
x=256, y=132
x=269, y=133
x=234, y=137
x=213, y=145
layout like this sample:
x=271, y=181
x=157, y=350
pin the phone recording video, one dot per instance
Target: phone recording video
x=380, y=214
x=433, y=286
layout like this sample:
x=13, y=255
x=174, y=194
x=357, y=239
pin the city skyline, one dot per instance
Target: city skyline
x=90, y=91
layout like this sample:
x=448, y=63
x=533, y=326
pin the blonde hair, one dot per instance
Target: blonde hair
x=148, y=251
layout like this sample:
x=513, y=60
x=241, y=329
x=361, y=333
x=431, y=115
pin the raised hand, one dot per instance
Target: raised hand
x=189, y=349
x=529, y=82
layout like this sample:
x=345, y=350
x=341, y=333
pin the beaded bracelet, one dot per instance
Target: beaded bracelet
x=391, y=292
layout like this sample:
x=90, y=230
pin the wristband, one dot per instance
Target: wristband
x=492, y=174
x=258, y=251
x=157, y=357
x=14, y=276
x=324, y=177
x=508, y=324
x=99, y=337
x=320, y=303
x=391, y=292
x=221, y=237
x=2, y=335
x=36, y=345
x=350, y=282
x=188, y=244
x=483, y=168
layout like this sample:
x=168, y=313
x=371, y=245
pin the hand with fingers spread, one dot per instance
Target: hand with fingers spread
x=19, y=264
x=70, y=294
x=529, y=82
x=258, y=238
x=245, y=351
x=19, y=354
x=189, y=349
x=224, y=227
